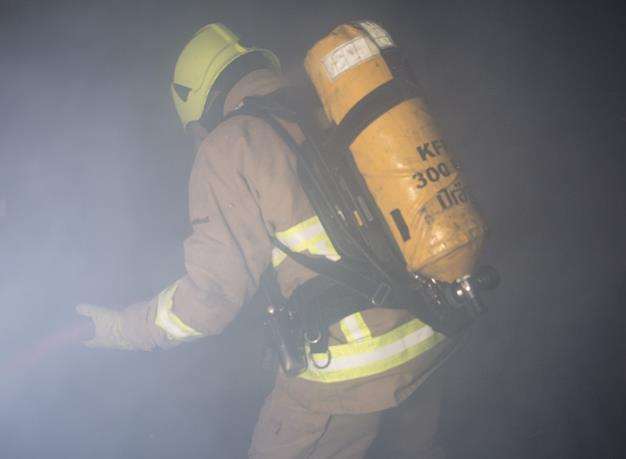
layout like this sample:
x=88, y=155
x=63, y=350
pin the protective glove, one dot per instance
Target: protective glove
x=107, y=327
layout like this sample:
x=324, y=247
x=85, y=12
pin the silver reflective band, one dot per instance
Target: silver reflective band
x=169, y=322
x=375, y=355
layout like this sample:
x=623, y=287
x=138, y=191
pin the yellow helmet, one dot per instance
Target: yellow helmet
x=211, y=50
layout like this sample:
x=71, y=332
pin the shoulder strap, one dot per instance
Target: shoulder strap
x=314, y=174
x=376, y=292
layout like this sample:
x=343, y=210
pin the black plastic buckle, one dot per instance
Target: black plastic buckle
x=381, y=294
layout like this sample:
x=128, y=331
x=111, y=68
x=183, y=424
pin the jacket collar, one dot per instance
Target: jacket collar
x=256, y=83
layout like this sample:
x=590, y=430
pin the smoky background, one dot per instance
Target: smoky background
x=93, y=176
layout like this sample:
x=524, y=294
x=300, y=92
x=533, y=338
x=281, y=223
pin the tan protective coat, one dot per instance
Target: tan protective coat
x=401, y=156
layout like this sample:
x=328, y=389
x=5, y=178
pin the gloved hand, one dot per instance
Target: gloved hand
x=107, y=327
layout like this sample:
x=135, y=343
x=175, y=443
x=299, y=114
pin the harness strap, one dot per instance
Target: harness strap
x=377, y=293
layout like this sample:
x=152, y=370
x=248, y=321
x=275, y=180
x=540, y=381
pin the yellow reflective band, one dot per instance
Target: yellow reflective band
x=354, y=327
x=307, y=235
x=278, y=256
x=374, y=355
x=175, y=328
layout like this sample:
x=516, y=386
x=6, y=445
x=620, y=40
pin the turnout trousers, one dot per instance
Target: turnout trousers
x=287, y=430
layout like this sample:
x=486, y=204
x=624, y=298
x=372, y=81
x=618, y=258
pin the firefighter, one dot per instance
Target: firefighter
x=244, y=188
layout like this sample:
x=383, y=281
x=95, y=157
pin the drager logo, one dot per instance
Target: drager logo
x=453, y=196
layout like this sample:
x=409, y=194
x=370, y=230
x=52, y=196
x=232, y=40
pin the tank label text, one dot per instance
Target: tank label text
x=431, y=149
x=431, y=175
x=453, y=196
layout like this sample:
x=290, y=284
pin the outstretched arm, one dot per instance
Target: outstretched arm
x=224, y=257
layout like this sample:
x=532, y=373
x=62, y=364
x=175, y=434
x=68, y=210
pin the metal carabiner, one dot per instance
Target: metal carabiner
x=321, y=367
x=313, y=341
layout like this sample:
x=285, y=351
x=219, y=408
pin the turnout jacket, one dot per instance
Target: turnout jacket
x=244, y=188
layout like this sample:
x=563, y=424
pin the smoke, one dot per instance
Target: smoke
x=93, y=173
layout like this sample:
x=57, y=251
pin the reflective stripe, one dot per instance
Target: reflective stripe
x=307, y=235
x=374, y=355
x=175, y=328
x=354, y=327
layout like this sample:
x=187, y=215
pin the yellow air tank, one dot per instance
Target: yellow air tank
x=400, y=154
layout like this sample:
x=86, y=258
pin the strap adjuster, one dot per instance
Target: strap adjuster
x=381, y=294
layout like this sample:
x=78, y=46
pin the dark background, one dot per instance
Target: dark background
x=93, y=172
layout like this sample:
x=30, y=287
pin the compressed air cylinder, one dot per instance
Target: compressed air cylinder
x=405, y=163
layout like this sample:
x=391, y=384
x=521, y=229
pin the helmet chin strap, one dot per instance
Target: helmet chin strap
x=230, y=76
